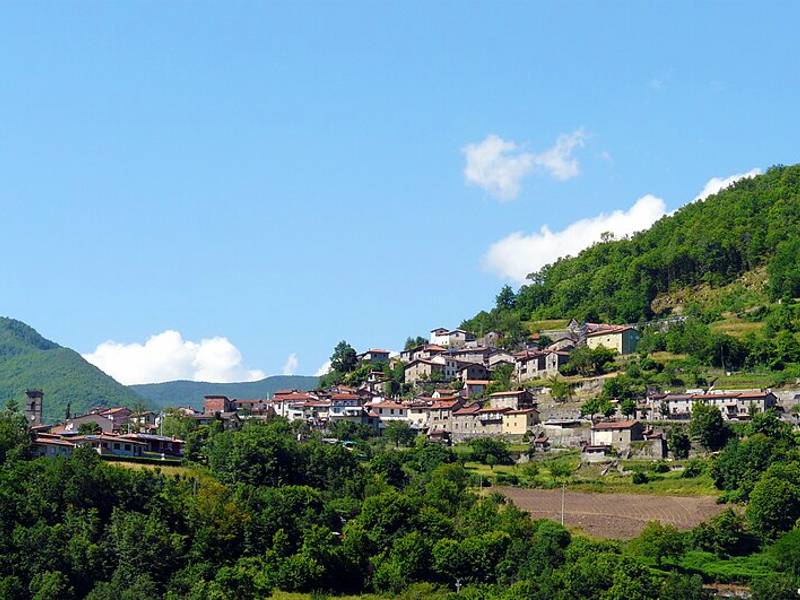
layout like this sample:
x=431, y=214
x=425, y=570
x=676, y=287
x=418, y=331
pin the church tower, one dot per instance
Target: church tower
x=33, y=407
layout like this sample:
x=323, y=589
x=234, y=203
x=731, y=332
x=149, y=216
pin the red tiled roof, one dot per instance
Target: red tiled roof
x=607, y=329
x=387, y=404
x=489, y=409
x=472, y=409
x=52, y=441
x=294, y=397
x=442, y=404
x=615, y=425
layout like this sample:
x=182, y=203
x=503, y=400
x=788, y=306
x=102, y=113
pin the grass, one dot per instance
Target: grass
x=736, y=569
x=588, y=478
x=659, y=484
x=747, y=380
x=165, y=469
x=736, y=327
x=536, y=326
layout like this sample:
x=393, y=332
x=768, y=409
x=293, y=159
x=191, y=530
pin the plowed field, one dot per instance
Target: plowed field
x=616, y=516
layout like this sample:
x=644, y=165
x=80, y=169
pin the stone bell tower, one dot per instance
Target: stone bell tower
x=34, y=400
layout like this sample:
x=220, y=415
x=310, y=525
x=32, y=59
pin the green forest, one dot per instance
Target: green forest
x=263, y=510
x=29, y=361
x=749, y=226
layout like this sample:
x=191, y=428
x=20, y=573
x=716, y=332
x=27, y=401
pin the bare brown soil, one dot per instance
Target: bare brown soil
x=615, y=516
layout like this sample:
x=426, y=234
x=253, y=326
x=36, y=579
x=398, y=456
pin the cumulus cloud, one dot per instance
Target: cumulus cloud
x=518, y=254
x=558, y=160
x=498, y=166
x=290, y=367
x=717, y=184
x=167, y=356
x=324, y=369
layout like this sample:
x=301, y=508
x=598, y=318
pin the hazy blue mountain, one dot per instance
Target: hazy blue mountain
x=183, y=393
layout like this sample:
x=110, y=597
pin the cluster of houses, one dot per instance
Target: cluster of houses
x=444, y=414
x=733, y=404
x=450, y=375
x=460, y=355
x=114, y=431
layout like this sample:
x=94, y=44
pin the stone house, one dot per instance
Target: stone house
x=472, y=371
x=423, y=369
x=620, y=338
x=618, y=434
x=513, y=399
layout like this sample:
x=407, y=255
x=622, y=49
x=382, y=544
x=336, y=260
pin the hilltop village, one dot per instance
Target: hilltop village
x=454, y=387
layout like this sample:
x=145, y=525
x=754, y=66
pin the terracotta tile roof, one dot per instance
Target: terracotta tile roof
x=386, y=404
x=52, y=441
x=608, y=329
x=472, y=409
x=110, y=411
x=489, y=409
x=294, y=397
x=615, y=425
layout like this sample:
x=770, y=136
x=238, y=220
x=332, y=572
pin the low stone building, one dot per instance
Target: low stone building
x=616, y=434
x=623, y=339
x=513, y=399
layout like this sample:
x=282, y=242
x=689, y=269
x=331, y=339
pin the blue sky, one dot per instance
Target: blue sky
x=288, y=175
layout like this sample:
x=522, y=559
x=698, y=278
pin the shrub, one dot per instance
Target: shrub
x=639, y=478
x=694, y=468
x=659, y=467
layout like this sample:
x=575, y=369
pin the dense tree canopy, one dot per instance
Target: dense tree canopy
x=752, y=223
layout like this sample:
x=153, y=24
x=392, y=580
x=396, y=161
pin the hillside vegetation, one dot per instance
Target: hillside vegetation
x=28, y=360
x=752, y=225
x=190, y=393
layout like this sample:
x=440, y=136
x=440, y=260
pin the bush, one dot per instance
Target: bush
x=483, y=448
x=639, y=478
x=659, y=467
x=506, y=479
x=693, y=469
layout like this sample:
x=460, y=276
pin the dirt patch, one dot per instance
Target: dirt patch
x=615, y=516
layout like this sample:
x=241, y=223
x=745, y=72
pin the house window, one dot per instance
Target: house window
x=128, y=447
x=116, y=445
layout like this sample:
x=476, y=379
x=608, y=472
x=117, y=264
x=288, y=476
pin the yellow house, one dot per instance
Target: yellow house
x=520, y=422
x=620, y=338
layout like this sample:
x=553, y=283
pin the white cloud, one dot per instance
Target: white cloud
x=324, y=369
x=717, y=184
x=518, y=254
x=290, y=367
x=167, y=356
x=558, y=160
x=498, y=166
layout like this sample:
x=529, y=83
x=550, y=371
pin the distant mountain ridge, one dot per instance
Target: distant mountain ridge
x=183, y=393
x=30, y=361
